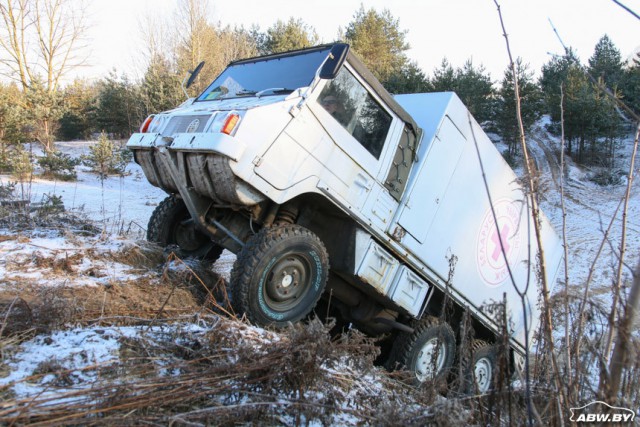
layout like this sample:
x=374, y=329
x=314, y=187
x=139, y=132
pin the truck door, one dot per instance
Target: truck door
x=387, y=192
x=359, y=124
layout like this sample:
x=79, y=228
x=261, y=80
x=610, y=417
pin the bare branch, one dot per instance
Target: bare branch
x=16, y=20
x=610, y=385
x=59, y=28
x=40, y=36
x=535, y=211
x=564, y=239
x=620, y=356
x=627, y=9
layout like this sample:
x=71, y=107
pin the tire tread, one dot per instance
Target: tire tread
x=158, y=227
x=401, y=353
x=249, y=257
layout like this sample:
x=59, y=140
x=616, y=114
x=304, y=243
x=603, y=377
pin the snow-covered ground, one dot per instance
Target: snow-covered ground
x=590, y=209
x=121, y=206
x=114, y=201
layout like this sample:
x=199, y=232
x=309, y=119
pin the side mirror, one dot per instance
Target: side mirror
x=335, y=60
x=194, y=74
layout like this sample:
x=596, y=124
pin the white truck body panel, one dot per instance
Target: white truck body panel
x=454, y=217
x=286, y=146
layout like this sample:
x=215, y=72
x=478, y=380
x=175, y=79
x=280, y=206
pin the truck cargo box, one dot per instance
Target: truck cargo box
x=447, y=212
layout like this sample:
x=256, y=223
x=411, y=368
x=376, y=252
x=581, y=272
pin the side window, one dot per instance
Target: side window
x=402, y=161
x=356, y=110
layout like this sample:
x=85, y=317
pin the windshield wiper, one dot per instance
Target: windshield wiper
x=274, y=90
x=246, y=92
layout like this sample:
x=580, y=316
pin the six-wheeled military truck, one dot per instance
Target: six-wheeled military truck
x=331, y=191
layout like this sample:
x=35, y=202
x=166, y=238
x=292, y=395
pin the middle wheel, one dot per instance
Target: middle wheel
x=428, y=352
x=279, y=275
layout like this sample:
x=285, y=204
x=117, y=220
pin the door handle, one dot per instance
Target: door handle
x=363, y=181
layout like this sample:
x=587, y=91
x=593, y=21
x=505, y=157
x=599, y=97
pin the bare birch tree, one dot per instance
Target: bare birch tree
x=199, y=39
x=16, y=23
x=41, y=41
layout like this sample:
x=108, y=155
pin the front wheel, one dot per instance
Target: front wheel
x=171, y=224
x=279, y=275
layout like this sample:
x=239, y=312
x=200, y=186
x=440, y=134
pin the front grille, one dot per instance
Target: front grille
x=180, y=124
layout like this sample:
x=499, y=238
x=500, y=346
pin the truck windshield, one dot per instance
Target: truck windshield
x=269, y=76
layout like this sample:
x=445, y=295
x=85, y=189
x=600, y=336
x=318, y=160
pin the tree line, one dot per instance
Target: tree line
x=34, y=106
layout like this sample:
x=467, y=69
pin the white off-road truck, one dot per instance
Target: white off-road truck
x=395, y=214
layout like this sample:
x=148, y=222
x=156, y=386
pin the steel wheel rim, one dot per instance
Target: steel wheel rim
x=425, y=360
x=482, y=373
x=287, y=282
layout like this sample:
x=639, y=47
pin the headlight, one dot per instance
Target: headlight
x=226, y=123
x=157, y=123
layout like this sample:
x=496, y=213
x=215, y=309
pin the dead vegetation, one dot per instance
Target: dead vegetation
x=188, y=365
x=592, y=368
x=191, y=362
x=231, y=373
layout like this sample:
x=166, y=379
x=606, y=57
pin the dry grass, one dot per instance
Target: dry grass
x=231, y=374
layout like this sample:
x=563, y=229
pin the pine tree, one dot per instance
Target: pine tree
x=591, y=120
x=579, y=111
x=79, y=104
x=12, y=114
x=630, y=85
x=554, y=76
x=106, y=158
x=119, y=111
x=378, y=40
x=475, y=89
x=505, y=118
x=444, y=78
x=608, y=128
x=161, y=86
x=411, y=79
x=44, y=110
x=472, y=84
x=282, y=37
x=12, y=123
x=606, y=62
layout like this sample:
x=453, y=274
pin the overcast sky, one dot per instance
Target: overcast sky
x=455, y=29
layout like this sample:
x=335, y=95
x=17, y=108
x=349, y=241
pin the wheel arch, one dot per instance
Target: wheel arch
x=326, y=220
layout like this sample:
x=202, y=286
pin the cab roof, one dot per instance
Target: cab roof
x=362, y=71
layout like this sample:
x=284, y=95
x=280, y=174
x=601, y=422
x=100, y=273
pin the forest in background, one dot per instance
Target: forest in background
x=36, y=106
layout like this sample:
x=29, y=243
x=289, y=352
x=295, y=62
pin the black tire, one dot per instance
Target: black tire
x=481, y=375
x=171, y=224
x=428, y=352
x=279, y=275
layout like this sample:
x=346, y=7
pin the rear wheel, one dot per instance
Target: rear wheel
x=279, y=275
x=171, y=224
x=428, y=352
x=482, y=375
